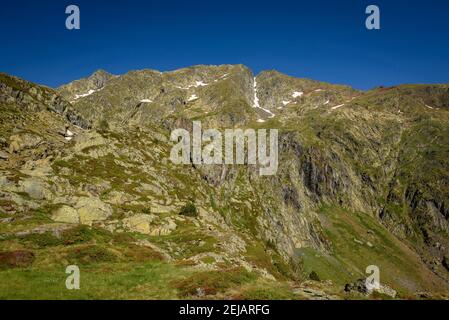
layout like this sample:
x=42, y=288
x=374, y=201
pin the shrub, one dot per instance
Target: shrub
x=314, y=276
x=213, y=282
x=16, y=259
x=79, y=234
x=189, y=210
x=103, y=125
x=42, y=240
x=90, y=254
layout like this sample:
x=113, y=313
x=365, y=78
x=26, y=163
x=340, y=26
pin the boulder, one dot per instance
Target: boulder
x=66, y=214
x=359, y=286
x=118, y=198
x=92, y=210
x=3, y=155
x=23, y=141
x=36, y=189
x=140, y=223
x=89, y=140
x=160, y=231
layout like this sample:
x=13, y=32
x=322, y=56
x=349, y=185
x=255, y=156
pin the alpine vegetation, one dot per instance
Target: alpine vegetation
x=190, y=150
x=211, y=182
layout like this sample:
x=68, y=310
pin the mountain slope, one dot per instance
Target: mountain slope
x=362, y=180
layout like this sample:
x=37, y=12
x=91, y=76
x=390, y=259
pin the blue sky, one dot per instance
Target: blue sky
x=322, y=40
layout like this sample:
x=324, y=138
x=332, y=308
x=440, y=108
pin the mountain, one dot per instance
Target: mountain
x=362, y=180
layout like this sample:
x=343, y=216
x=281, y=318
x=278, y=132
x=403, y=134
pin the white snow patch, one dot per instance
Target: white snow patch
x=77, y=96
x=223, y=77
x=319, y=90
x=69, y=135
x=146, y=100
x=297, y=94
x=336, y=107
x=286, y=102
x=193, y=97
x=260, y=120
x=327, y=102
x=196, y=85
x=429, y=107
x=200, y=84
x=256, y=101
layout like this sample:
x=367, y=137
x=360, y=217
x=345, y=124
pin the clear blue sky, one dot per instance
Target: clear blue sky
x=322, y=40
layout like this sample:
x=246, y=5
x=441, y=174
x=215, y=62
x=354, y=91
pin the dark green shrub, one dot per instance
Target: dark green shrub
x=189, y=210
x=90, y=254
x=42, y=240
x=314, y=276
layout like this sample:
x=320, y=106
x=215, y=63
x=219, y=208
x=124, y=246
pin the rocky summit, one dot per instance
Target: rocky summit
x=86, y=179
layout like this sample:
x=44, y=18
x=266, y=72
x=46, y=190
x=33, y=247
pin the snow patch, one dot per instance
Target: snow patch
x=200, y=84
x=69, y=135
x=429, y=107
x=146, y=100
x=327, y=102
x=196, y=85
x=193, y=97
x=286, y=102
x=297, y=94
x=78, y=96
x=336, y=107
x=223, y=77
x=261, y=120
x=256, y=101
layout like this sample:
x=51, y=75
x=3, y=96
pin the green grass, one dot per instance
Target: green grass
x=102, y=281
x=213, y=282
x=400, y=268
x=266, y=290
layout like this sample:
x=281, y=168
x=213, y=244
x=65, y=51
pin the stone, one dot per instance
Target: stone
x=170, y=224
x=160, y=231
x=386, y=290
x=359, y=286
x=23, y=141
x=92, y=210
x=140, y=223
x=66, y=214
x=36, y=189
x=89, y=140
x=118, y=198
